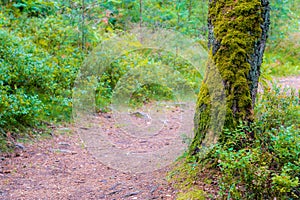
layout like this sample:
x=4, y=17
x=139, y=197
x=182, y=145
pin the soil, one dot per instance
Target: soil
x=289, y=82
x=60, y=168
x=65, y=167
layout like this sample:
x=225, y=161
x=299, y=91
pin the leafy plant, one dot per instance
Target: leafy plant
x=262, y=161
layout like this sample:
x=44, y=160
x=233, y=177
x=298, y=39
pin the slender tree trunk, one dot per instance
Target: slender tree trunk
x=190, y=10
x=82, y=27
x=141, y=13
x=237, y=37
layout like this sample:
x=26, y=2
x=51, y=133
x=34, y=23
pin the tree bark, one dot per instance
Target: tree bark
x=238, y=31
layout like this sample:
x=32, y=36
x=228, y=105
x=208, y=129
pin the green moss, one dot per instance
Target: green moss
x=192, y=195
x=236, y=30
x=209, y=106
x=183, y=177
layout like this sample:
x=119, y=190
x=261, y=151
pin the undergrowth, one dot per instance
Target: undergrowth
x=261, y=161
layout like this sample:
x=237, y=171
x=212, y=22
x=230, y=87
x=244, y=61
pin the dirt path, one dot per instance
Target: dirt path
x=291, y=82
x=74, y=164
x=62, y=168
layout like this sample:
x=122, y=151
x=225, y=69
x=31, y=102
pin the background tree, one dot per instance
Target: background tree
x=237, y=38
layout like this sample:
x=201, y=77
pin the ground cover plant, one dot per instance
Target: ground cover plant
x=265, y=167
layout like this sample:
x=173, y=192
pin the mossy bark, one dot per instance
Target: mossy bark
x=237, y=37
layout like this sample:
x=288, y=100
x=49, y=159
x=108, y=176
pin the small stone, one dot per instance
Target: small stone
x=153, y=189
x=131, y=194
x=20, y=146
x=63, y=151
x=114, y=192
x=80, y=181
x=64, y=129
x=64, y=144
x=114, y=186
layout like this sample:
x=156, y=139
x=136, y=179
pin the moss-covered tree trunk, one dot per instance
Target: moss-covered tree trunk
x=237, y=38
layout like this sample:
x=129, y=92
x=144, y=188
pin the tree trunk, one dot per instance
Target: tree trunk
x=237, y=38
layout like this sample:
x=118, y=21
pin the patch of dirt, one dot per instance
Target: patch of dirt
x=289, y=82
x=60, y=168
x=144, y=140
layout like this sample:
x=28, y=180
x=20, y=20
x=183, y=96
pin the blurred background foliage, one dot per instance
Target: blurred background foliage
x=43, y=44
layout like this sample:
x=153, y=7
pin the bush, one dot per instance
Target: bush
x=146, y=76
x=266, y=166
x=23, y=75
x=32, y=84
x=32, y=8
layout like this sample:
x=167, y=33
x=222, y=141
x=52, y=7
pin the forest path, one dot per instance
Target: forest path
x=61, y=168
x=289, y=82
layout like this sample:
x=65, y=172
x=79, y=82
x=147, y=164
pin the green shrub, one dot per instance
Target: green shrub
x=32, y=8
x=147, y=75
x=262, y=161
x=33, y=84
x=260, y=172
x=277, y=107
x=23, y=75
x=19, y=108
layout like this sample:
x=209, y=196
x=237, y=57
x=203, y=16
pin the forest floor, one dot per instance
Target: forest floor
x=62, y=167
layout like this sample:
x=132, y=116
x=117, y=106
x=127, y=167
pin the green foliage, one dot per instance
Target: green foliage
x=32, y=8
x=282, y=52
x=284, y=19
x=263, y=161
x=22, y=76
x=150, y=92
x=39, y=60
x=258, y=171
x=186, y=16
x=43, y=44
x=147, y=75
x=278, y=107
x=260, y=161
x=283, y=60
